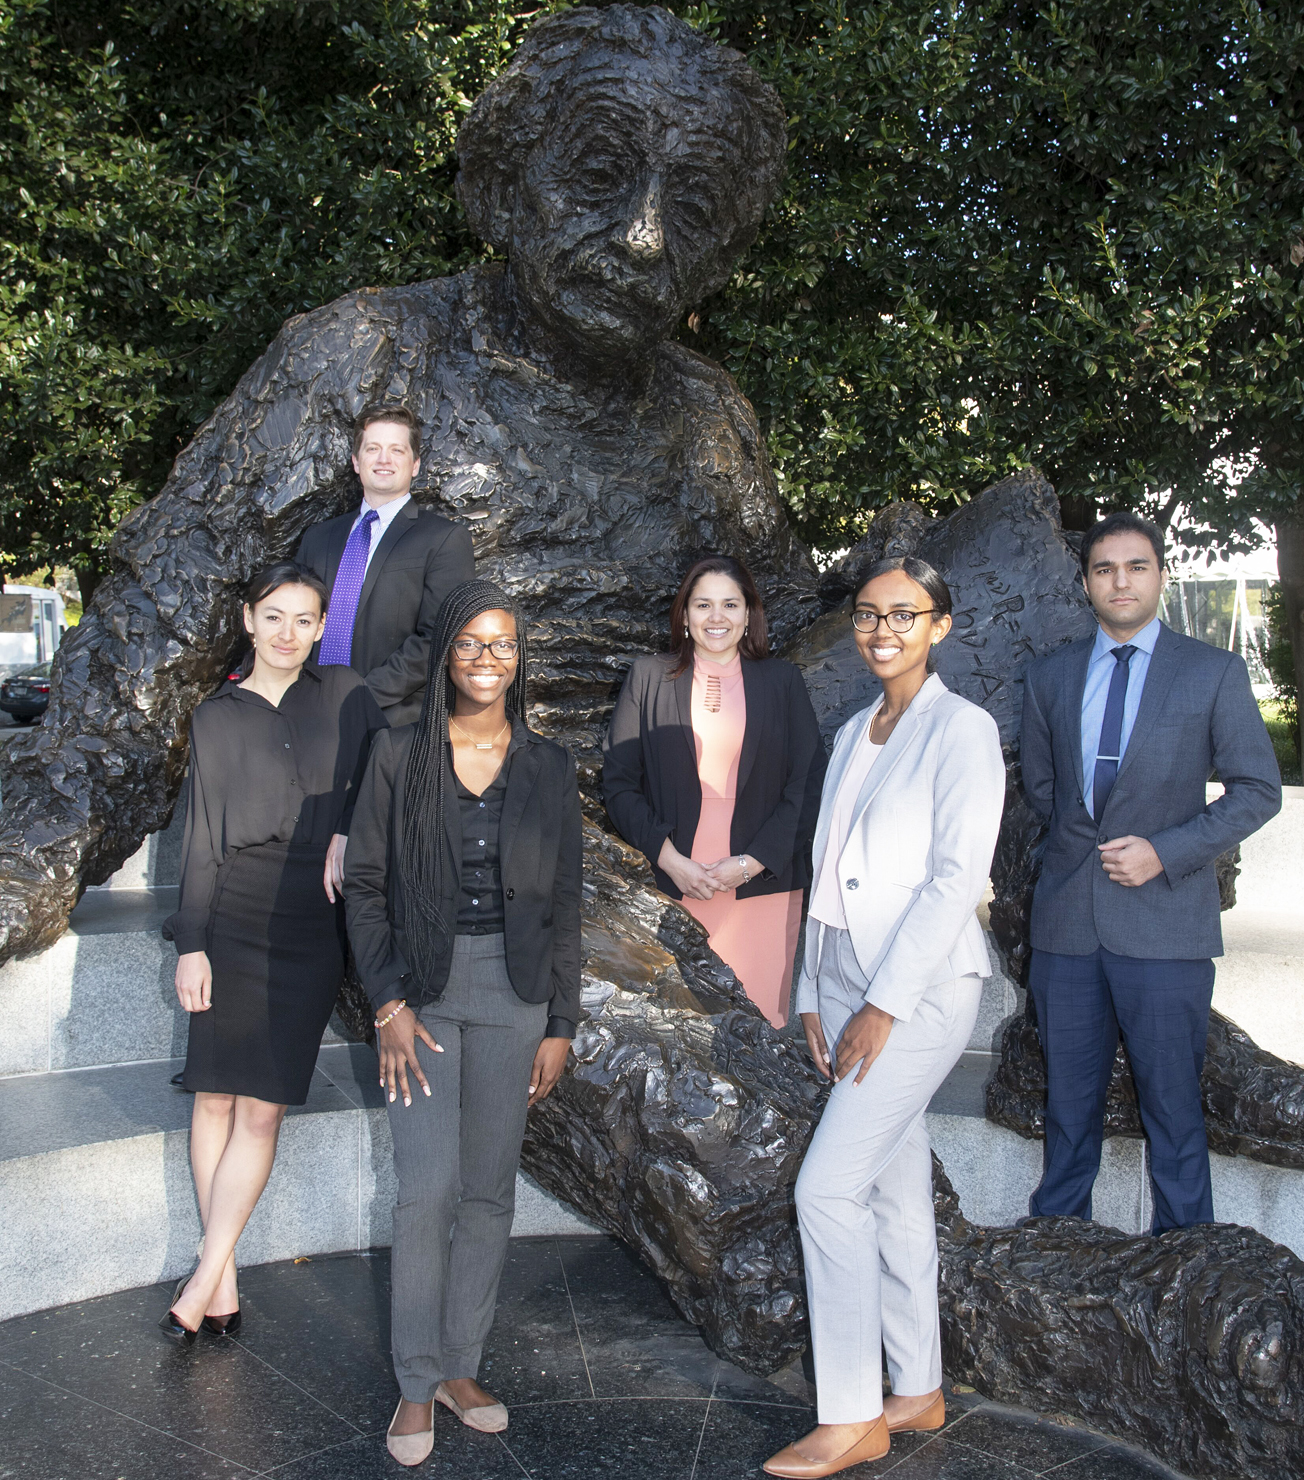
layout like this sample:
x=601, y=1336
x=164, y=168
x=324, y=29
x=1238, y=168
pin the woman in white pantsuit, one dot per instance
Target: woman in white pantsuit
x=888, y=997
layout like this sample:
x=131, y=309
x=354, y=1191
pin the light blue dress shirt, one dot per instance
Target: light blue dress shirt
x=384, y=518
x=1099, y=672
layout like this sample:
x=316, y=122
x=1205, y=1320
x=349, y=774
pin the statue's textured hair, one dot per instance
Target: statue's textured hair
x=524, y=102
x=425, y=791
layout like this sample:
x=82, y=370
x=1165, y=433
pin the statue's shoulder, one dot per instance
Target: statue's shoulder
x=708, y=395
x=345, y=325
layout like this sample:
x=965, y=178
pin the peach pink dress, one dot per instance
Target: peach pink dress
x=757, y=937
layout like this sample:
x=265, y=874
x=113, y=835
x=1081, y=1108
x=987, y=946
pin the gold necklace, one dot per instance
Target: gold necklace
x=481, y=744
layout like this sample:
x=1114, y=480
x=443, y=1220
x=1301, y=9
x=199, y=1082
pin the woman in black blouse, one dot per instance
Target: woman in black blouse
x=275, y=761
x=462, y=886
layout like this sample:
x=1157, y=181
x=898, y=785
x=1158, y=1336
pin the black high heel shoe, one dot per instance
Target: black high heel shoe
x=222, y=1325
x=171, y=1325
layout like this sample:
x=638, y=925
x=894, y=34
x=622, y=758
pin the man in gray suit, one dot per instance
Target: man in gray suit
x=1120, y=734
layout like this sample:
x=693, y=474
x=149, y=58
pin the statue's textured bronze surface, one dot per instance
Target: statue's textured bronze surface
x=619, y=166
x=1191, y=1344
x=622, y=162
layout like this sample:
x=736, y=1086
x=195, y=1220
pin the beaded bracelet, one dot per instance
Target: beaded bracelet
x=742, y=864
x=389, y=1017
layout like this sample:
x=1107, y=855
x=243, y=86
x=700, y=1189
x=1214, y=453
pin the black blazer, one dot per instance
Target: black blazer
x=542, y=858
x=650, y=781
x=421, y=556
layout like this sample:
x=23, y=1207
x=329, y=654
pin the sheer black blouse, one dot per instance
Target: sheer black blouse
x=262, y=773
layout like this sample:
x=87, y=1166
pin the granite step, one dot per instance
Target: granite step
x=96, y=1191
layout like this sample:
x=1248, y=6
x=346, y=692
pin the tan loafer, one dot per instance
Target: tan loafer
x=410, y=1449
x=932, y=1417
x=788, y=1462
x=488, y=1418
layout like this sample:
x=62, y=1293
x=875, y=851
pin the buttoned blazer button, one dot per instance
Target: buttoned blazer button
x=853, y=883
x=287, y=745
x=511, y=894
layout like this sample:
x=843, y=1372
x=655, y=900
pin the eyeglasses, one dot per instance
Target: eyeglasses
x=898, y=621
x=468, y=649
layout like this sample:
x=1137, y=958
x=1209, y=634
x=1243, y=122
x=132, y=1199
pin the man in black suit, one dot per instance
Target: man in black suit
x=388, y=565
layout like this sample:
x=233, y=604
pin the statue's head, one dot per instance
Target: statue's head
x=623, y=161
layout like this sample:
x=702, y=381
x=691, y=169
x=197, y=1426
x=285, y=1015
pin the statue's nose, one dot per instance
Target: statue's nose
x=644, y=236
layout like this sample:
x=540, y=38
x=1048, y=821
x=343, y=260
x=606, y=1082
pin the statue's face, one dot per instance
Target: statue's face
x=622, y=215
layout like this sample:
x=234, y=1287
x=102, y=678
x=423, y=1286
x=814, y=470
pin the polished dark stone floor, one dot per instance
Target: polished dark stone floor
x=602, y=1378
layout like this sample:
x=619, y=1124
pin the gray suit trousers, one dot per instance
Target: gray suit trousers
x=865, y=1196
x=455, y=1155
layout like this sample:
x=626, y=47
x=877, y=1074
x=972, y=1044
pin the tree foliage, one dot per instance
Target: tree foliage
x=1062, y=234
x=1012, y=232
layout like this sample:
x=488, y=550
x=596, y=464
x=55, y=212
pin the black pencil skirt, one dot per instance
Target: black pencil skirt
x=276, y=947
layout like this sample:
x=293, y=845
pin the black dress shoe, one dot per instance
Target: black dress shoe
x=222, y=1325
x=171, y=1326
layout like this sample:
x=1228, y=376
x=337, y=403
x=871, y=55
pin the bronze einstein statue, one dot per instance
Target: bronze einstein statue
x=621, y=164
x=619, y=167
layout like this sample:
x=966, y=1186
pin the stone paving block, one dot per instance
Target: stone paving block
x=118, y=1004
x=995, y=1171
x=25, y=986
x=1256, y=1195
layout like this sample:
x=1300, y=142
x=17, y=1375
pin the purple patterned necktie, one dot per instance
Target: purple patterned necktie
x=337, y=640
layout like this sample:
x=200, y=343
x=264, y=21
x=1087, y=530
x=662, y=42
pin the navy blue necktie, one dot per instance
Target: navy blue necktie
x=1110, y=749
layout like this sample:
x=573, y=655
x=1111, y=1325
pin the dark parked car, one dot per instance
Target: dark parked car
x=26, y=694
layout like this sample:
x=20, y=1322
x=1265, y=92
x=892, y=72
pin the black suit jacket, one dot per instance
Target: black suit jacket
x=651, y=785
x=419, y=559
x=540, y=843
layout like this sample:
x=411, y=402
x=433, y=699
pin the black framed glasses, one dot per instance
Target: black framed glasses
x=898, y=621
x=503, y=648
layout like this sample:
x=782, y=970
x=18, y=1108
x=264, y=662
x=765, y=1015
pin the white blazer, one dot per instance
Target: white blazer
x=918, y=850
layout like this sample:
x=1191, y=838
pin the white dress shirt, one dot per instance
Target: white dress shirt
x=826, y=894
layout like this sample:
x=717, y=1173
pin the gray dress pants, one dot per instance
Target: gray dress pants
x=455, y=1155
x=865, y=1197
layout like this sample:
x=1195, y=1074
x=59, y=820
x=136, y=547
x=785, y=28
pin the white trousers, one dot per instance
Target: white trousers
x=865, y=1197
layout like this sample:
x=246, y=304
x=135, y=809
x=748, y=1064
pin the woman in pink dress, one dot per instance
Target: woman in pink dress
x=712, y=767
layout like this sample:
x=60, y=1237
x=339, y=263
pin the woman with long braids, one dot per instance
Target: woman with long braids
x=462, y=885
x=275, y=761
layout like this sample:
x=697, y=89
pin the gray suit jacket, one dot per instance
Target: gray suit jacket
x=419, y=559
x=1197, y=715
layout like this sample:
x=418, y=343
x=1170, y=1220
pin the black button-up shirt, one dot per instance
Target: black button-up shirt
x=480, y=902
x=263, y=773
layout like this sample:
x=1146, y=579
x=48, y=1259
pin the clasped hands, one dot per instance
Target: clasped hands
x=704, y=880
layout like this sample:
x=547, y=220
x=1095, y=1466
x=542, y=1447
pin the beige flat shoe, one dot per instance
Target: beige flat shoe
x=410, y=1449
x=489, y=1418
x=932, y=1417
x=791, y=1463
